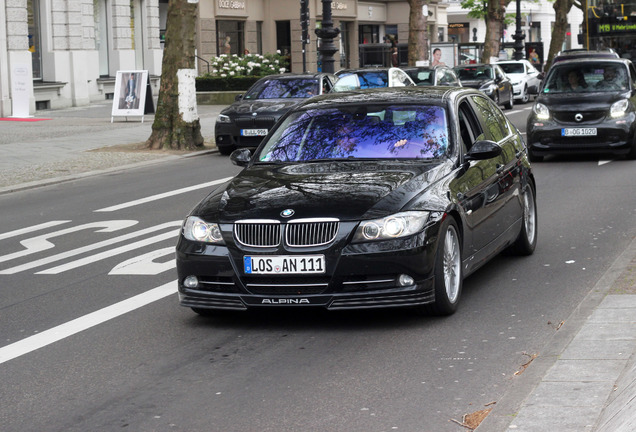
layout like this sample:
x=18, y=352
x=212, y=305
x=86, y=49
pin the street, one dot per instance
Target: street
x=92, y=337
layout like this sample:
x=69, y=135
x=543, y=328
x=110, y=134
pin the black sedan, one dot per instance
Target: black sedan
x=585, y=106
x=246, y=122
x=377, y=198
x=490, y=79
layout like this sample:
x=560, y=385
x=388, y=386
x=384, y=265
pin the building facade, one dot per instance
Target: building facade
x=64, y=53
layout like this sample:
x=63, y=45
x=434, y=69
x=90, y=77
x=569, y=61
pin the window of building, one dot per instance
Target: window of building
x=391, y=34
x=35, y=44
x=101, y=35
x=230, y=36
x=259, y=37
x=368, y=33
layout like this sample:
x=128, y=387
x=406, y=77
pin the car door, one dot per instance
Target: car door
x=476, y=187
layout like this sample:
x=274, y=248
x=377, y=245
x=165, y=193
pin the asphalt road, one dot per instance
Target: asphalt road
x=87, y=294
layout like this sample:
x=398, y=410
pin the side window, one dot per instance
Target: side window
x=632, y=73
x=496, y=126
x=326, y=85
x=469, y=127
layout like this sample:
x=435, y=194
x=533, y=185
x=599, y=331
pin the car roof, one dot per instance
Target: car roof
x=297, y=75
x=581, y=61
x=384, y=95
x=584, y=54
x=472, y=65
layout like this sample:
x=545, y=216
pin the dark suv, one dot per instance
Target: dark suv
x=585, y=106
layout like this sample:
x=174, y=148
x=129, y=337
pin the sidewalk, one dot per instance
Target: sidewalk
x=583, y=380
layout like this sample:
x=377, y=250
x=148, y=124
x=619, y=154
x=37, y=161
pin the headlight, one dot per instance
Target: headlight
x=196, y=229
x=222, y=118
x=541, y=111
x=488, y=89
x=391, y=227
x=618, y=109
x=514, y=83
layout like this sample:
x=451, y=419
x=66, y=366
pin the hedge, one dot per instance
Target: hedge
x=237, y=83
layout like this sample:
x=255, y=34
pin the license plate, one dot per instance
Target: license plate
x=578, y=132
x=284, y=264
x=253, y=132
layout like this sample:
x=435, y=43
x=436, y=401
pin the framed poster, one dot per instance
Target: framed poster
x=130, y=94
x=443, y=54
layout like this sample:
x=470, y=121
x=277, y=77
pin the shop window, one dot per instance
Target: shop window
x=368, y=34
x=230, y=36
x=35, y=44
x=391, y=34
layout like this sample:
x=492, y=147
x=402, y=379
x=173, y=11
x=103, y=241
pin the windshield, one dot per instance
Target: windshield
x=584, y=78
x=362, y=80
x=283, y=88
x=422, y=77
x=390, y=132
x=512, y=68
x=474, y=73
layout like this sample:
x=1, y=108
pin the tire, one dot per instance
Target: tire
x=632, y=153
x=533, y=157
x=448, y=270
x=495, y=98
x=527, y=239
x=524, y=95
x=511, y=100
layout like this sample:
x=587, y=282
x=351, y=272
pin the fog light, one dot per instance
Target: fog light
x=405, y=280
x=191, y=282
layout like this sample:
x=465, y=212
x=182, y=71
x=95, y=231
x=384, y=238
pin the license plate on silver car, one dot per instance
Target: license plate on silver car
x=578, y=132
x=284, y=264
x=253, y=132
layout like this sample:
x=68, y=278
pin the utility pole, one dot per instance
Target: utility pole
x=304, y=25
x=519, y=36
x=326, y=34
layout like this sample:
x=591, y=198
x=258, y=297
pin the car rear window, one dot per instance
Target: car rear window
x=283, y=88
x=362, y=80
x=474, y=73
x=512, y=67
x=391, y=132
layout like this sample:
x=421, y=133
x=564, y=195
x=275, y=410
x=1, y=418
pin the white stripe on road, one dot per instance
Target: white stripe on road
x=162, y=195
x=31, y=229
x=80, y=324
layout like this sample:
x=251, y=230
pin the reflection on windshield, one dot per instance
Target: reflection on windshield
x=595, y=77
x=362, y=80
x=283, y=88
x=406, y=132
x=475, y=73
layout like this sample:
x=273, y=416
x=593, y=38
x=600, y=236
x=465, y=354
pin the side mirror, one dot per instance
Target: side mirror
x=241, y=157
x=482, y=150
x=238, y=97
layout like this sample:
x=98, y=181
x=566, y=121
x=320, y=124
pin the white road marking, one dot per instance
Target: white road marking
x=603, y=162
x=111, y=252
x=81, y=250
x=145, y=264
x=41, y=243
x=162, y=195
x=32, y=229
x=80, y=324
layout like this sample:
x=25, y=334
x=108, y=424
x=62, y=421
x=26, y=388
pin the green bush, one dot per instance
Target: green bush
x=214, y=83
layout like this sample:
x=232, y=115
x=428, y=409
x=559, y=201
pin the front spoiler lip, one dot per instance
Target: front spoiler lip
x=420, y=294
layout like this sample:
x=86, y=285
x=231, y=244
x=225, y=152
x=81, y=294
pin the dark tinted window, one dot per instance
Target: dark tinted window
x=586, y=77
x=405, y=132
x=283, y=88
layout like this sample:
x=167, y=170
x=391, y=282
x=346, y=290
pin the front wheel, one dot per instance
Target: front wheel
x=448, y=270
x=525, y=97
x=511, y=100
x=527, y=239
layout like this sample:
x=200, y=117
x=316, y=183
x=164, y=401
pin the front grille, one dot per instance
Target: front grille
x=298, y=233
x=588, y=116
x=286, y=285
x=311, y=233
x=255, y=122
x=257, y=233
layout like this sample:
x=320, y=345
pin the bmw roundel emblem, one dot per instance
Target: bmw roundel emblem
x=287, y=213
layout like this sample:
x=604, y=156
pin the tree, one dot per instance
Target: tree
x=494, y=13
x=418, y=31
x=176, y=125
x=561, y=10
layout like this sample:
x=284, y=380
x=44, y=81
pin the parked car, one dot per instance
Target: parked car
x=585, y=106
x=490, y=79
x=366, y=78
x=525, y=78
x=246, y=122
x=372, y=198
x=433, y=76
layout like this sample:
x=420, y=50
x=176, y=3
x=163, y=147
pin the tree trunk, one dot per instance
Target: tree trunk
x=561, y=10
x=494, y=29
x=176, y=125
x=418, y=32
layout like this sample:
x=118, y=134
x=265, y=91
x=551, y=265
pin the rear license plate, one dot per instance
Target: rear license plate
x=578, y=132
x=253, y=132
x=284, y=264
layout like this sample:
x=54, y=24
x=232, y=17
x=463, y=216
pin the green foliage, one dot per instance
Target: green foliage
x=217, y=83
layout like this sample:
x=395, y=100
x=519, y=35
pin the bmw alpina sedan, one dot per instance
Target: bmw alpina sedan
x=365, y=199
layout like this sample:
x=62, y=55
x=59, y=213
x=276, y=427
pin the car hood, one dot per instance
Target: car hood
x=262, y=106
x=344, y=190
x=476, y=83
x=580, y=101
